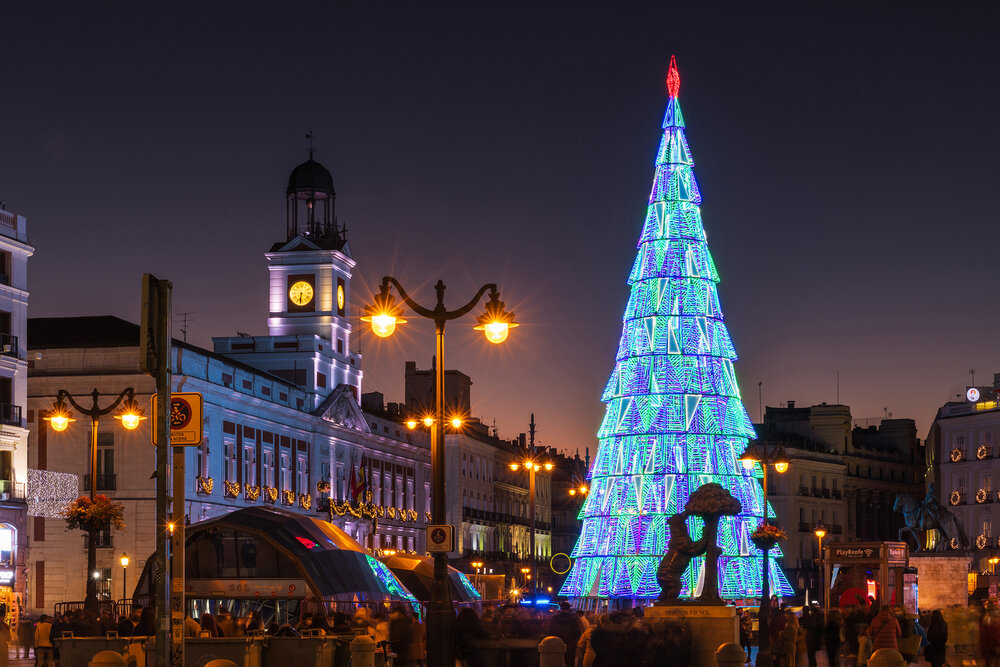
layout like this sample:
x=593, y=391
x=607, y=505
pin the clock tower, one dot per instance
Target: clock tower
x=309, y=292
x=310, y=271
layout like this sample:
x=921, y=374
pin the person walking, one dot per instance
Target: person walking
x=832, y=637
x=43, y=642
x=937, y=640
x=884, y=630
x=746, y=630
x=25, y=635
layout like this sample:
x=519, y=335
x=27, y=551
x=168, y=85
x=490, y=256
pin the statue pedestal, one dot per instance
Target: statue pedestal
x=711, y=626
x=942, y=579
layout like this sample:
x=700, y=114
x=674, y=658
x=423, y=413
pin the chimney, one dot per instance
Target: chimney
x=791, y=404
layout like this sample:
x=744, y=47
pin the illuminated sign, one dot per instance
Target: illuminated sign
x=972, y=394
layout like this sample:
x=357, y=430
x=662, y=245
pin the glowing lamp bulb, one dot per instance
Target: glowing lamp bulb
x=59, y=422
x=411, y=424
x=781, y=466
x=456, y=422
x=383, y=325
x=124, y=560
x=747, y=463
x=130, y=421
x=514, y=467
x=428, y=421
x=548, y=466
x=583, y=489
x=572, y=492
x=820, y=533
x=496, y=332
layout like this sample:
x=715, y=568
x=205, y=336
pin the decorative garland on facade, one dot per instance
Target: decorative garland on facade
x=956, y=498
x=956, y=455
x=287, y=497
x=981, y=542
x=982, y=496
x=322, y=487
x=369, y=510
x=983, y=452
x=305, y=501
x=270, y=494
x=953, y=543
x=205, y=485
x=232, y=489
x=252, y=492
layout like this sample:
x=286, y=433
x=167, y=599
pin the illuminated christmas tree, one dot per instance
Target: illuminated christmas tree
x=675, y=419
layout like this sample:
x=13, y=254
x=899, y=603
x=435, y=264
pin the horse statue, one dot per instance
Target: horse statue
x=929, y=515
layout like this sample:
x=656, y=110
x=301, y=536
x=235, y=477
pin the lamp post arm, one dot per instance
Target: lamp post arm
x=95, y=411
x=439, y=312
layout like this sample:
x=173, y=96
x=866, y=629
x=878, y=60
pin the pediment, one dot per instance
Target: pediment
x=341, y=408
x=300, y=242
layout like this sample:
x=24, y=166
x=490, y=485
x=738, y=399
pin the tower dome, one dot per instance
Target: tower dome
x=310, y=202
x=310, y=178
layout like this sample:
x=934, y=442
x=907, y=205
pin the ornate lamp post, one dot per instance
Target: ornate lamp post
x=820, y=533
x=751, y=457
x=124, y=562
x=532, y=466
x=130, y=415
x=495, y=323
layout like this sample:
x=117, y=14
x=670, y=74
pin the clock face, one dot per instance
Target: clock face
x=300, y=293
x=972, y=394
x=340, y=297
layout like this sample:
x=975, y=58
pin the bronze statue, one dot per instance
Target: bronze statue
x=923, y=517
x=680, y=550
x=710, y=502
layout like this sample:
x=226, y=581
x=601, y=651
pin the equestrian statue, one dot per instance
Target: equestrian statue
x=926, y=521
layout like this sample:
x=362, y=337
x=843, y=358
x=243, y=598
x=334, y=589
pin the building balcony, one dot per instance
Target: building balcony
x=10, y=414
x=103, y=541
x=105, y=482
x=836, y=494
x=11, y=490
x=8, y=346
x=805, y=527
x=836, y=529
x=803, y=490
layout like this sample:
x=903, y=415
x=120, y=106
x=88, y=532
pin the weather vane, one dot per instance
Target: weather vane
x=310, y=136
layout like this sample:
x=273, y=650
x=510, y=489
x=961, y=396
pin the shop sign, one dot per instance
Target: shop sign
x=247, y=588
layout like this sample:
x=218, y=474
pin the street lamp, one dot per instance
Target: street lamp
x=532, y=466
x=750, y=458
x=128, y=412
x=820, y=533
x=495, y=322
x=124, y=562
x=993, y=562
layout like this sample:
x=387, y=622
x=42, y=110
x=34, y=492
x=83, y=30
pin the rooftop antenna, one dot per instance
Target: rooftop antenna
x=186, y=319
x=760, y=401
x=972, y=372
x=838, y=387
x=310, y=136
x=531, y=431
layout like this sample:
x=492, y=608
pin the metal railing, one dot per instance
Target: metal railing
x=104, y=540
x=11, y=490
x=8, y=345
x=105, y=482
x=10, y=414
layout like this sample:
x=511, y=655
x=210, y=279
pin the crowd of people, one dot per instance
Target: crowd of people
x=495, y=635
x=852, y=635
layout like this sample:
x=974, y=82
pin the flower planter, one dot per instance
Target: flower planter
x=764, y=543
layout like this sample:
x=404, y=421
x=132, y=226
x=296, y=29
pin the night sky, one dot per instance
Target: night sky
x=846, y=153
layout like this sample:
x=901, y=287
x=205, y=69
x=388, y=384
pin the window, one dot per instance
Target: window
x=303, y=474
x=105, y=461
x=103, y=576
x=250, y=464
x=321, y=380
x=267, y=472
x=230, y=462
x=286, y=471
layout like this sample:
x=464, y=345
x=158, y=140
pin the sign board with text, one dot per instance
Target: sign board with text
x=185, y=416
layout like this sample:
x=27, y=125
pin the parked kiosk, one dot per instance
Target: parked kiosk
x=853, y=572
